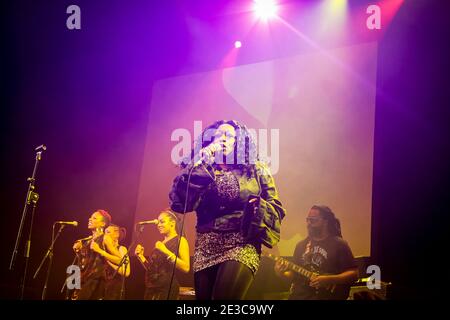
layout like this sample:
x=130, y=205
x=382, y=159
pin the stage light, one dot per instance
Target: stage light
x=237, y=44
x=332, y=16
x=338, y=4
x=265, y=9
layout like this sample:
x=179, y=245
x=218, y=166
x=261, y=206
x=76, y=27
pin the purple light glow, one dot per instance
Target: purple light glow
x=265, y=9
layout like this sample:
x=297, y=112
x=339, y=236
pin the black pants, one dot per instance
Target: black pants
x=92, y=289
x=161, y=293
x=113, y=287
x=228, y=280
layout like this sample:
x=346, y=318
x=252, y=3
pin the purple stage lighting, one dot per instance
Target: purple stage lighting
x=265, y=9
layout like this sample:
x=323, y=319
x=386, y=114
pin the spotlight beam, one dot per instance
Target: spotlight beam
x=265, y=9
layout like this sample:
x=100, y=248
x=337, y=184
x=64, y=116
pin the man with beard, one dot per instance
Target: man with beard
x=324, y=266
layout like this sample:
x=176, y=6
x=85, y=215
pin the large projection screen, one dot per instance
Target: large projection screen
x=322, y=104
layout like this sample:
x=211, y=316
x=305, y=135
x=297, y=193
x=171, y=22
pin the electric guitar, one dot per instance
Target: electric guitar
x=332, y=292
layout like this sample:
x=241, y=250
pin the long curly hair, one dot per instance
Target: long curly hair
x=245, y=153
x=334, y=225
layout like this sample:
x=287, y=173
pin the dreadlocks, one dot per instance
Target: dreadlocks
x=334, y=226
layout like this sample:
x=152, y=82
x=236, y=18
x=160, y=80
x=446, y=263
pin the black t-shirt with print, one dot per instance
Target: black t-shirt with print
x=329, y=256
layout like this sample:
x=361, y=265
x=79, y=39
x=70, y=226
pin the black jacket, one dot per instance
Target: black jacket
x=212, y=215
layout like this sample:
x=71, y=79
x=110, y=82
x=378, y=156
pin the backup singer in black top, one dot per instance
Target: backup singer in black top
x=91, y=263
x=113, y=255
x=159, y=265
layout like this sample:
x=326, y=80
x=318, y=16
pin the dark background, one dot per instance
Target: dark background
x=86, y=95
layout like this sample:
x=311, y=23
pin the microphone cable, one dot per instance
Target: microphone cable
x=182, y=226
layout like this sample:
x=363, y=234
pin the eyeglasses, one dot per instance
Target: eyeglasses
x=312, y=219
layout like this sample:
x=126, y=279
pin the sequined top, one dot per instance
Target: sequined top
x=227, y=187
x=220, y=197
x=212, y=248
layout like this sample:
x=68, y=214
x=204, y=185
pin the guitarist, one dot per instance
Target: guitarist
x=325, y=252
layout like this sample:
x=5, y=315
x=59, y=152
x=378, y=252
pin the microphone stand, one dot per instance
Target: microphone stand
x=76, y=260
x=32, y=197
x=48, y=254
x=65, y=281
x=125, y=261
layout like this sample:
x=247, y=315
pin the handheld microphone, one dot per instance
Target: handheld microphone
x=41, y=147
x=154, y=221
x=85, y=239
x=207, y=153
x=70, y=223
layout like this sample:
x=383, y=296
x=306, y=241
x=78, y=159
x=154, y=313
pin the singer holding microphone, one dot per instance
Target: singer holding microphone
x=113, y=254
x=224, y=179
x=160, y=277
x=90, y=258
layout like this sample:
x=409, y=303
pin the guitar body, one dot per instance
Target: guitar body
x=334, y=292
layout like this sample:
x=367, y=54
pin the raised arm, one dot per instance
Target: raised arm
x=125, y=268
x=183, y=260
x=108, y=256
x=199, y=179
x=139, y=252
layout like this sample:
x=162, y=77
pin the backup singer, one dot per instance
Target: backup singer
x=159, y=265
x=91, y=263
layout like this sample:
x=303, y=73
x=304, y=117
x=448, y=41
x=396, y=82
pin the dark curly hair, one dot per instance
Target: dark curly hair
x=245, y=153
x=122, y=231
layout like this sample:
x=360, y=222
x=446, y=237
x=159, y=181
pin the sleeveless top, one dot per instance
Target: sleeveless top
x=158, y=269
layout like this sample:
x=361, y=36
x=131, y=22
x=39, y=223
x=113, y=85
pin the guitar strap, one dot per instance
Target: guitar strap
x=308, y=247
x=307, y=255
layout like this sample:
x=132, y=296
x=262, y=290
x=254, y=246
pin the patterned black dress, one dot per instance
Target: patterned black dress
x=158, y=275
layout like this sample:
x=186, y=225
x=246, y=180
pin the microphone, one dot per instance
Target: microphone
x=71, y=223
x=154, y=221
x=41, y=147
x=85, y=239
x=205, y=156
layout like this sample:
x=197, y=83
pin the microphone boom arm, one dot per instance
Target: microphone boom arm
x=48, y=254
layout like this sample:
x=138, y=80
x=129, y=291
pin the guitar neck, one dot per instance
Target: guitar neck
x=292, y=266
x=332, y=292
